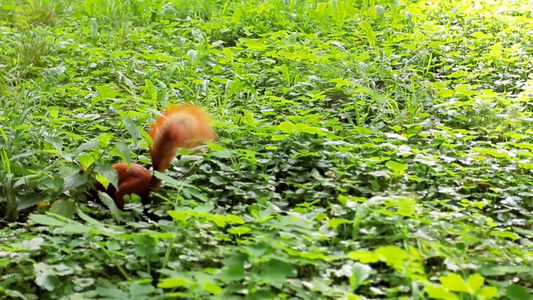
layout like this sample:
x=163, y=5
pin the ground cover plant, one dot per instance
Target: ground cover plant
x=370, y=149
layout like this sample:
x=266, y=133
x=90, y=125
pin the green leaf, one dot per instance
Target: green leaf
x=150, y=91
x=397, y=167
x=523, y=231
x=233, y=268
x=212, y=287
x=335, y=222
x=173, y=282
x=31, y=199
x=105, y=92
x=287, y=127
x=108, y=172
x=517, y=292
x=370, y=34
x=438, y=292
x=363, y=256
x=239, y=230
x=340, y=82
x=178, y=215
x=221, y=154
x=362, y=130
x=110, y=203
x=276, y=270
x=73, y=181
x=392, y=255
x=454, y=282
x=234, y=219
x=46, y=220
x=138, y=290
x=132, y=129
x=505, y=234
x=488, y=292
x=45, y=277
x=475, y=281
x=496, y=270
x=63, y=208
x=124, y=150
x=360, y=273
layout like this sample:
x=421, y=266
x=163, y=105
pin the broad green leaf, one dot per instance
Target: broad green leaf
x=336, y=222
x=138, y=290
x=73, y=181
x=172, y=282
x=221, y=154
x=360, y=273
x=475, y=281
x=178, y=215
x=454, y=282
x=105, y=92
x=370, y=34
x=397, y=167
x=488, y=292
x=63, y=208
x=362, y=130
x=46, y=277
x=287, y=126
x=110, y=203
x=234, y=219
x=363, y=256
x=46, y=220
x=517, y=292
x=124, y=150
x=233, y=268
x=212, y=287
x=523, y=231
x=495, y=270
x=505, y=234
x=276, y=271
x=437, y=292
x=239, y=230
x=108, y=172
x=132, y=129
x=392, y=255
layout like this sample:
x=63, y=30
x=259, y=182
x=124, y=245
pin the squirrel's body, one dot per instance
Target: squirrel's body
x=180, y=126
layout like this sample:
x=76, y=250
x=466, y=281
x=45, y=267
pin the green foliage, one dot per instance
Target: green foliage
x=366, y=149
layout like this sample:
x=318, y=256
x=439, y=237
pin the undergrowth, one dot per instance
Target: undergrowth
x=366, y=150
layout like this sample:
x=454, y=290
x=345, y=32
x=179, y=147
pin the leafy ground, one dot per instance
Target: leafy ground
x=366, y=149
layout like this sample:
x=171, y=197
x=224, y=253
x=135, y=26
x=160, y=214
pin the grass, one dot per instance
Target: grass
x=373, y=149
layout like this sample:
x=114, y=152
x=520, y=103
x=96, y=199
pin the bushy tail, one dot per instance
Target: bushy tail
x=180, y=126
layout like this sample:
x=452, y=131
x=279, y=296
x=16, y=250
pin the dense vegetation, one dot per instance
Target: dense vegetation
x=366, y=149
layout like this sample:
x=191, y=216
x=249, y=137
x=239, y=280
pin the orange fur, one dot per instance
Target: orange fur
x=180, y=126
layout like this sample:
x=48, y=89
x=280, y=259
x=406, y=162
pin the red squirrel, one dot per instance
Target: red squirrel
x=180, y=126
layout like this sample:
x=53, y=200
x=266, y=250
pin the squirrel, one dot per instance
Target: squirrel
x=181, y=126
